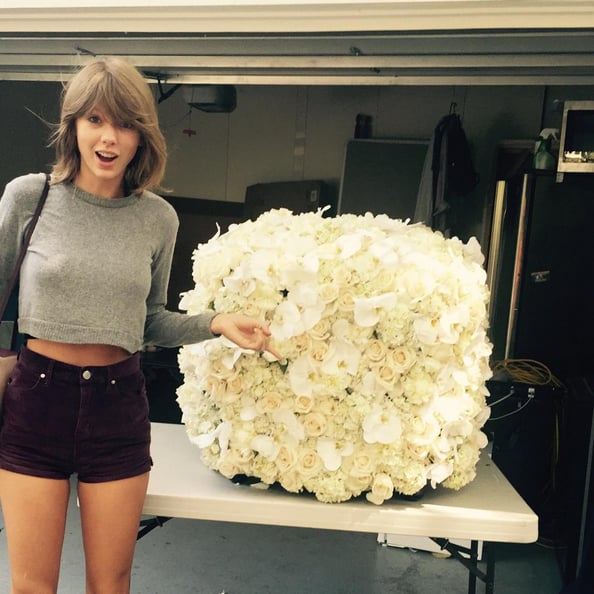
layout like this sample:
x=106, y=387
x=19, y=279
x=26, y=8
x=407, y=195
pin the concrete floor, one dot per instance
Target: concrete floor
x=202, y=557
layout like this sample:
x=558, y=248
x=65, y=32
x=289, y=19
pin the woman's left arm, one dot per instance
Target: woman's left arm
x=170, y=329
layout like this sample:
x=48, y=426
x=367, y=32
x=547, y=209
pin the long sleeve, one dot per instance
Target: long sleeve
x=17, y=206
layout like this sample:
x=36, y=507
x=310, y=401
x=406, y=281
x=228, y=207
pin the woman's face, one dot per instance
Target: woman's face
x=106, y=148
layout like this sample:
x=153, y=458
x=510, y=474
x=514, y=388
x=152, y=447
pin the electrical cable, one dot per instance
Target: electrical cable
x=527, y=371
x=515, y=411
x=503, y=398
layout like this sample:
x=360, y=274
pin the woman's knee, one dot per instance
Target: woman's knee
x=109, y=582
x=28, y=584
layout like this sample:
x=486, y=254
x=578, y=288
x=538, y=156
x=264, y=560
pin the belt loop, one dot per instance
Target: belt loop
x=112, y=375
x=46, y=375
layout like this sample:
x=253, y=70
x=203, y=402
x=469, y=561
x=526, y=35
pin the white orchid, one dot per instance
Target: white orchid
x=383, y=326
x=381, y=426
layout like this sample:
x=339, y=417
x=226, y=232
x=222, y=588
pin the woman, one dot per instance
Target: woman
x=92, y=293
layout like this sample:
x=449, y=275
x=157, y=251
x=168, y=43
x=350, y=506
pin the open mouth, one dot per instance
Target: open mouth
x=105, y=157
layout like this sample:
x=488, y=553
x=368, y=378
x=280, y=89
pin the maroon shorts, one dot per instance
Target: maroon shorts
x=60, y=419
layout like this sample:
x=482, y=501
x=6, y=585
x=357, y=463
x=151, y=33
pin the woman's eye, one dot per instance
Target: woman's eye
x=94, y=119
x=127, y=125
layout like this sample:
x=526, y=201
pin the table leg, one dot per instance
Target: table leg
x=471, y=564
x=150, y=524
x=474, y=564
x=490, y=578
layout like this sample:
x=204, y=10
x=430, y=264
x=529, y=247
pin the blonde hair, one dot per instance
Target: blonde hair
x=118, y=87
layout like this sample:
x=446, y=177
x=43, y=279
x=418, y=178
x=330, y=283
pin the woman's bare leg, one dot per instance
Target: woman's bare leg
x=34, y=512
x=110, y=514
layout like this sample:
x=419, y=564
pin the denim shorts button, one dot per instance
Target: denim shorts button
x=86, y=374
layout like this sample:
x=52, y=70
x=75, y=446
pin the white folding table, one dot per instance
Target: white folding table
x=487, y=510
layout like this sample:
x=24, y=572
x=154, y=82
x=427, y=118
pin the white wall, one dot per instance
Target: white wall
x=260, y=140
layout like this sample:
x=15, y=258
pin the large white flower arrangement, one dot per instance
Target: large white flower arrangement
x=383, y=328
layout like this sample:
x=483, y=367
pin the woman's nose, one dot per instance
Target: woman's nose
x=108, y=133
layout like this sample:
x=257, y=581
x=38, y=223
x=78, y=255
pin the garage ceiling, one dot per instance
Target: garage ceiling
x=464, y=42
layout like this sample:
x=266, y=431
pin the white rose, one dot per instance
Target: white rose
x=269, y=402
x=401, y=358
x=382, y=488
x=328, y=292
x=304, y=403
x=227, y=467
x=285, y=459
x=321, y=330
x=318, y=351
x=385, y=280
x=251, y=309
x=301, y=343
x=375, y=351
x=291, y=481
x=385, y=375
x=309, y=463
x=314, y=424
x=346, y=300
x=327, y=406
x=363, y=463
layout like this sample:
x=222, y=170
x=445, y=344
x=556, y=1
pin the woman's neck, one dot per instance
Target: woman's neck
x=99, y=187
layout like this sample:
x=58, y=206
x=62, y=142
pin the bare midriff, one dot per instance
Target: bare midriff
x=78, y=354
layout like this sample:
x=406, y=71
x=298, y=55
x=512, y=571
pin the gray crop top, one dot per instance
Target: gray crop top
x=96, y=270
